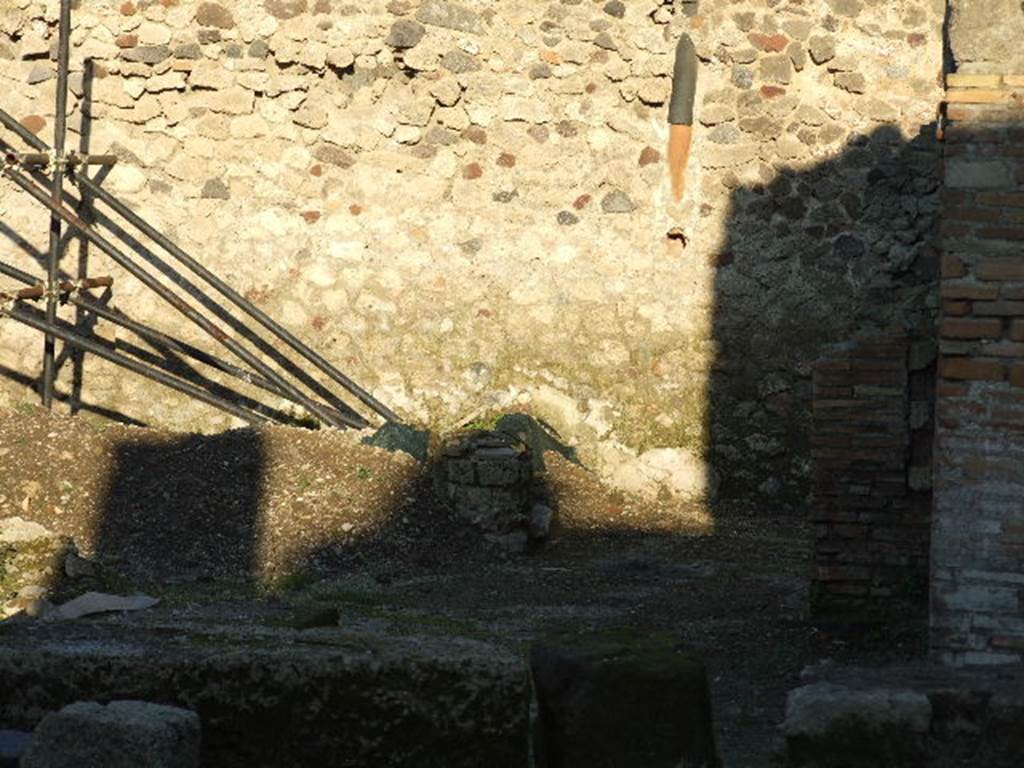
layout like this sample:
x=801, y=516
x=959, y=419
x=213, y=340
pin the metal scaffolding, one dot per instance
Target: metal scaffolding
x=41, y=173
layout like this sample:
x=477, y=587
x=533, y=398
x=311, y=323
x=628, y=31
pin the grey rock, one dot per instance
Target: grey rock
x=405, y=33
x=119, y=735
x=15, y=530
x=604, y=40
x=615, y=8
x=233, y=51
x=208, y=36
x=822, y=48
x=849, y=248
x=881, y=726
x=259, y=49
x=332, y=155
x=146, y=54
x=985, y=35
x=854, y=82
x=396, y=437
x=472, y=246
x=505, y=195
x=567, y=218
x=726, y=133
x=742, y=77
x=617, y=201
x=285, y=9
x=190, y=51
x=846, y=7
x=40, y=73
x=459, y=62
x=540, y=71
x=449, y=15
x=77, y=567
x=438, y=134
x=777, y=68
x=215, y=189
x=214, y=15
x=98, y=602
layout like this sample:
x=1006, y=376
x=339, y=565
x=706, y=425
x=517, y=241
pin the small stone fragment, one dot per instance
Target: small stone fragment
x=649, y=156
x=822, y=48
x=567, y=218
x=405, y=33
x=285, y=9
x=617, y=201
x=449, y=15
x=214, y=15
x=215, y=189
x=615, y=8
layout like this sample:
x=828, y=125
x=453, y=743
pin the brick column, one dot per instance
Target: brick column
x=871, y=445
x=977, y=612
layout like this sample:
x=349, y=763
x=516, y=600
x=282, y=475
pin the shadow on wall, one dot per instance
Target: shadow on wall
x=814, y=256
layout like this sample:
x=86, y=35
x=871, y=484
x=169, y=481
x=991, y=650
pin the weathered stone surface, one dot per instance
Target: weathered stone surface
x=405, y=33
x=441, y=13
x=353, y=699
x=617, y=201
x=214, y=15
x=285, y=9
x=829, y=725
x=118, y=735
x=584, y=684
x=980, y=45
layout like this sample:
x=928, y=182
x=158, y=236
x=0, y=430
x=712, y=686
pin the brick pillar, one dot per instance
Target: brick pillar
x=871, y=446
x=977, y=613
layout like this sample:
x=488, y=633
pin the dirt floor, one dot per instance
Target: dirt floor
x=280, y=522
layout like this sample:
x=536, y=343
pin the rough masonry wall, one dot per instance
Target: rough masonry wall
x=978, y=529
x=465, y=206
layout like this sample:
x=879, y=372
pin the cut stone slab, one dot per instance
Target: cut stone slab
x=99, y=602
x=906, y=717
x=621, y=699
x=270, y=696
x=832, y=725
x=123, y=734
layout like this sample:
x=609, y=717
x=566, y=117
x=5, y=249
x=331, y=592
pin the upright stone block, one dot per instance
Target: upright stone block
x=621, y=700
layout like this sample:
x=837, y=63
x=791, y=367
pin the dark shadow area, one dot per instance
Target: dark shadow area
x=815, y=257
x=183, y=505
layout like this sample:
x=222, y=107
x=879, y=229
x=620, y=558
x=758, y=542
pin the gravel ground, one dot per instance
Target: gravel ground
x=266, y=523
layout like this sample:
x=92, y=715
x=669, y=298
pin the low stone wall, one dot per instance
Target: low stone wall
x=465, y=205
x=978, y=534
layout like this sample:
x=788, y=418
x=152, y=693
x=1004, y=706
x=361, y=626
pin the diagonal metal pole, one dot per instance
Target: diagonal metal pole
x=329, y=417
x=56, y=195
x=95, y=348
x=156, y=337
x=223, y=288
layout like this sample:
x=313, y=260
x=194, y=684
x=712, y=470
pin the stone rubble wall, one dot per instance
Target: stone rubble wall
x=465, y=205
x=978, y=528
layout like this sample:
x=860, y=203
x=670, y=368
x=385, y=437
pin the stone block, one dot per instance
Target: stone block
x=340, y=699
x=122, y=734
x=832, y=726
x=621, y=699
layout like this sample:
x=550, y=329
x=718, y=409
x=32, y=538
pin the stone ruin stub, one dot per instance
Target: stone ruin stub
x=486, y=477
